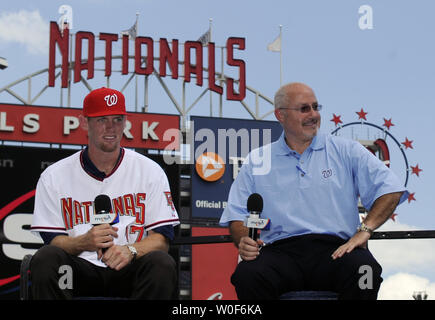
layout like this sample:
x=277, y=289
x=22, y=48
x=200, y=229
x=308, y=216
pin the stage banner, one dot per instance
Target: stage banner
x=220, y=147
x=212, y=267
x=62, y=125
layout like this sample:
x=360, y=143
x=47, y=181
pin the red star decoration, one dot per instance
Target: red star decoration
x=407, y=143
x=411, y=197
x=388, y=123
x=416, y=170
x=361, y=114
x=336, y=119
x=393, y=217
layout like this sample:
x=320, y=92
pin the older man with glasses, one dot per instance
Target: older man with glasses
x=315, y=240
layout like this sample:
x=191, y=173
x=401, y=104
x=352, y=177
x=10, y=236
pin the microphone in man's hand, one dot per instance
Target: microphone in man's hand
x=102, y=210
x=102, y=204
x=255, y=207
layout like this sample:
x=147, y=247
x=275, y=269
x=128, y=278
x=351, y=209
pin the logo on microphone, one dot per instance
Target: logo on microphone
x=102, y=218
x=111, y=99
x=257, y=223
x=210, y=166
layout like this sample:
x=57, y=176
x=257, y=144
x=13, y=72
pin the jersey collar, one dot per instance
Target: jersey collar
x=92, y=170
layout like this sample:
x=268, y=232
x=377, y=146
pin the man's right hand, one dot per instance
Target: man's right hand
x=249, y=249
x=99, y=237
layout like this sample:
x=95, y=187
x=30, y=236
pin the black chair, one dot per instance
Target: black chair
x=25, y=277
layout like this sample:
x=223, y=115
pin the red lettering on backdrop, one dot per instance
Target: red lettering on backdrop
x=188, y=67
x=109, y=38
x=138, y=56
x=62, y=41
x=166, y=56
x=89, y=64
x=61, y=125
x=211, y=70
x=125, y=54
x=231, y=93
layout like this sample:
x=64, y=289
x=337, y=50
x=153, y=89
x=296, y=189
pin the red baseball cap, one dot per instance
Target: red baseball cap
x=104, y=102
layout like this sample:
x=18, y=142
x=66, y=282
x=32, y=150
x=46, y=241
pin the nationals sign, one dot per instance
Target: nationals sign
x=61, y=125
x=168, y=56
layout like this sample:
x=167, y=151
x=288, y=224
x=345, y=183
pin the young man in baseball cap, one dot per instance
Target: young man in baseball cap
x=104, y=102
x=126, y=259
x=104, y=118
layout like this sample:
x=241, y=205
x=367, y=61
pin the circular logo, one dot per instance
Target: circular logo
x=210, y=166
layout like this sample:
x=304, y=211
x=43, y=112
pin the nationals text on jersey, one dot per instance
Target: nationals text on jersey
x=75, y=212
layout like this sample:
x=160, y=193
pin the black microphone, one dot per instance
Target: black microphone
x=255, y=207
x=103, y=206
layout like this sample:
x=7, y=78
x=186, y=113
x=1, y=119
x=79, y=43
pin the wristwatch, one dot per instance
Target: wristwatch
x=363, y=227
x=133, y=251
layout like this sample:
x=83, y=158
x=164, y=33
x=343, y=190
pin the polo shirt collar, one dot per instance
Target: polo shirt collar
x=318, y=143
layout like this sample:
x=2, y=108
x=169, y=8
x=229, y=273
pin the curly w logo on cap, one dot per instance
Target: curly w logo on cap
x=104, y=102
x=111, y=99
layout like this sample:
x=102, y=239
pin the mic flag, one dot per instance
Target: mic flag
x=103, y=211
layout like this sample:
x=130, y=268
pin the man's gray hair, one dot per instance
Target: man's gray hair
x=281, y=98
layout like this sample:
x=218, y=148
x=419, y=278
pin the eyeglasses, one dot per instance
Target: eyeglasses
x=306, y=108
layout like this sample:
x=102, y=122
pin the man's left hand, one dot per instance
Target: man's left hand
x=117, y=257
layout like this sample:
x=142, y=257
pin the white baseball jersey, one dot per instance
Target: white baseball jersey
x=137, y=186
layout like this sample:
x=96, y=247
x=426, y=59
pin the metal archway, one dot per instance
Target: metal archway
x=180, y=105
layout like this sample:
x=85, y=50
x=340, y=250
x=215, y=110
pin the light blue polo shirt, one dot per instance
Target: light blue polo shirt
x=316, y=192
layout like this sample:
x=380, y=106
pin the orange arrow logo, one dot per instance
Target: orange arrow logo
x=210, y=166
